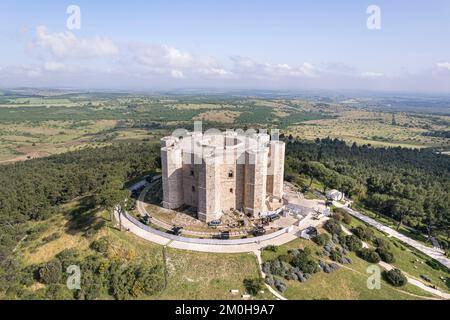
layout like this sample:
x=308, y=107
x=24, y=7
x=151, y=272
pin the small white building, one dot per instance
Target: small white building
x=335, y=195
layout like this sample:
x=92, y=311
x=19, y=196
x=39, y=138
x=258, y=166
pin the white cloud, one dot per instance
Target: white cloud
x=54, y=66
x=177, y=74
x=67, y=45
x=176, y=63
x=372, y=75
x=443, y=65
x=247, y=67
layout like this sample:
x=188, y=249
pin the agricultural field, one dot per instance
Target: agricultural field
x=33, y=126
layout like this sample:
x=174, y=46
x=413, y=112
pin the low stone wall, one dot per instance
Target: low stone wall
x=205, y=241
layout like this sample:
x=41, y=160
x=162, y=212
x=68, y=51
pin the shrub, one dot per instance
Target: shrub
x=363, y=233
x=68, y=257
x=281, y=286
x=395, y=277
x=51, y=272
x=150, y=279
x=321, y=239
x=253, y=286
x=58, y=292
x=270, y=280
x=369, y=255
x=333, y=226
x=335, y=255
x=305, y=263
x=437, y=266
x=385, y=254
x=271, y=248
x=352, y=242
x=101, y=245
x=347, y=218
x=381, y=243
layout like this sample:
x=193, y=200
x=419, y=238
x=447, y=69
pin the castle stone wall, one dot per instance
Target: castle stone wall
x=221, y=172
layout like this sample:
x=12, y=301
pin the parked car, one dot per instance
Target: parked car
x=273, y=217
x=259, y=231
x=176, y=231
x=214, y=223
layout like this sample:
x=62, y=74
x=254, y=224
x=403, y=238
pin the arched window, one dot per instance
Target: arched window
x=230, y=174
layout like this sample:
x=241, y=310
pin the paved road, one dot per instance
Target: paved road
x=431, y=252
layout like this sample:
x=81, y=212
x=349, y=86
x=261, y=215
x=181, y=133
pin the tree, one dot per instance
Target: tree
x=112, y=197
x=253, y=286
x=369, y=255
x=385, y=255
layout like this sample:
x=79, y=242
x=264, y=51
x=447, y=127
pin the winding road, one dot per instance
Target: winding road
x=433, y=253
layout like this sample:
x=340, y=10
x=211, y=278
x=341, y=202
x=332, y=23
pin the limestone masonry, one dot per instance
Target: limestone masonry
x=217, y=173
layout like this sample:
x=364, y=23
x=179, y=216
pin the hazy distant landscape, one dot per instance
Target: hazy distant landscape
x=36, y=123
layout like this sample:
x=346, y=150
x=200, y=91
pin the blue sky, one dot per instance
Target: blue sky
x=227, y=44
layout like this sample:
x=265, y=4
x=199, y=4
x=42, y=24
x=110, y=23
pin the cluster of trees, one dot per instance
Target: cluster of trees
x=100, y=277
x=34, y=190
x=408, y=185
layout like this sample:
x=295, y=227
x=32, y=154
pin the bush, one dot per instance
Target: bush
x=352, y=242
x=150, y=279
x=271, y=248
x=335, y=255
x=305, y=263
x=437, y=266
x=381, y=243
x=101, y=245
x=333, y=226
x=363, y=233
x=281, y=286
x=385, y=254
x=347, y=218
x=68, y=257
x=369, y=255
x=395, y=277
x=51, y=272
x=58, y=292
x=321, y=239
x=253, y=286
x=270, y=280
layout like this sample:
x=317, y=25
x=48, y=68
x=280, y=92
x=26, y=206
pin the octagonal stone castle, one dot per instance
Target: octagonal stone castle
x=220, y=172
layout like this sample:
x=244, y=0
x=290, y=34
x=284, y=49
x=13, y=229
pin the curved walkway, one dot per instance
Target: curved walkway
x=431, y=252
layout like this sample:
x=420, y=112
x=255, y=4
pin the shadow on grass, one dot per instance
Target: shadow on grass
x=84, y=218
